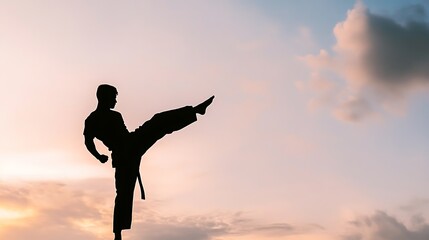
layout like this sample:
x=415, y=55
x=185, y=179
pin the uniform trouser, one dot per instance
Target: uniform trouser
x=128, y=165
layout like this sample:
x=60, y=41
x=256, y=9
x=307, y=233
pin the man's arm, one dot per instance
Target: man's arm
x=89, y=143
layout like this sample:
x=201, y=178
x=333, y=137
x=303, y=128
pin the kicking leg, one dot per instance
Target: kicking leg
x=201, y=108
x=165, y=123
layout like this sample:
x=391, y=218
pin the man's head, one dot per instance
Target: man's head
x=106, y=95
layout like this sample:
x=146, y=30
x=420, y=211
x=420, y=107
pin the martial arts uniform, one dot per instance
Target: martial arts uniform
x=128, y=147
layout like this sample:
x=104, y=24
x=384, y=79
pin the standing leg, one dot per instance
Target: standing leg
x=125, y=180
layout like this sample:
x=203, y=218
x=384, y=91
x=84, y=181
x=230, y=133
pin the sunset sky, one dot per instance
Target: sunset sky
x=318, y=130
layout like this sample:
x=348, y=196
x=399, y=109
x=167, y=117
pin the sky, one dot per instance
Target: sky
x=317, y=131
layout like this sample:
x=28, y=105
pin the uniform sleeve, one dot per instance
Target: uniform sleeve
x=88, y=129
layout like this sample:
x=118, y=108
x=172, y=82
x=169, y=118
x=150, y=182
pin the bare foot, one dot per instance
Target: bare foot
x=201, y=108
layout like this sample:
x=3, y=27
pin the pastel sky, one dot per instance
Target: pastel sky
x=318, y=130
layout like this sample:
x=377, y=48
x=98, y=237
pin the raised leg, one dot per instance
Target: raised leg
x=159, y=125
x=201, y=108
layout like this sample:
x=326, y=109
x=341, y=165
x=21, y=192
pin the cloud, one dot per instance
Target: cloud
x=54, y=212
x=377, y=63
x=414, y=12
x=416, y=205
x=381, y=226
x=189, y=228
x=353, y=109
x=214, y=226
x=211, y=226
x=61, y=211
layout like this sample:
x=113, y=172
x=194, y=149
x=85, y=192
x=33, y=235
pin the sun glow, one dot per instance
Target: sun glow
x=94, y=227
x=13, y=214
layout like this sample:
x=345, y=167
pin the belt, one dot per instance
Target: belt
x=141, y=186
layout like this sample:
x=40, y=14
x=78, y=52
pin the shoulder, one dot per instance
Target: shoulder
x=91, y=117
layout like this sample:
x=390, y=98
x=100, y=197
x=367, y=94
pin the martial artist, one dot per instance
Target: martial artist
x=128, y=147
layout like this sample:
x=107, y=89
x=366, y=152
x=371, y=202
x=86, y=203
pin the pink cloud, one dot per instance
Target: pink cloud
x=376, y=62
x=62, y=211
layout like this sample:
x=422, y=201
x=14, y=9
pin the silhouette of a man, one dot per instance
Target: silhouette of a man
x=128, y=147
